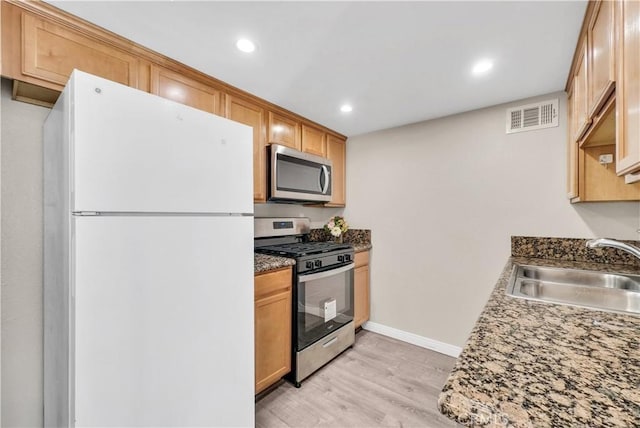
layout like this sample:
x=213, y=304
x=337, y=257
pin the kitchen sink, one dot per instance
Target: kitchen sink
x=606, y=291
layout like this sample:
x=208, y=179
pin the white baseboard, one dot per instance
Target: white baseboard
x=414, y=339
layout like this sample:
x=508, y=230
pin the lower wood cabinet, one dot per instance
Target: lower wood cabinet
x=272, y=321
x=361, y=288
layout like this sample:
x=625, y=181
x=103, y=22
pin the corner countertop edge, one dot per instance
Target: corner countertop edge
x=529, y=363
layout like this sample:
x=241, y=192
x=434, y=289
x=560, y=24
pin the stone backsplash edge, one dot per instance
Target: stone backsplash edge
x=570, y=249
x=351, y=236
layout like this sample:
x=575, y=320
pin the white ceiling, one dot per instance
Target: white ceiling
x=395, y=62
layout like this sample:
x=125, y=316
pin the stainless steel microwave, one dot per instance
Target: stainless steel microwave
x=298, y=177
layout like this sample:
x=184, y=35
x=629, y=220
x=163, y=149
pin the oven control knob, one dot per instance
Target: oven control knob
x=341, y=258
x=318, y=263
x=347, y=257
x=309, y=265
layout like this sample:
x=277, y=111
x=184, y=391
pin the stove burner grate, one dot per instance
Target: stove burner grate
x=299, y=249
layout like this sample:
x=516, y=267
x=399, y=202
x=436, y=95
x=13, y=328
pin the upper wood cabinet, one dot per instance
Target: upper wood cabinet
x=601, y=55
x=41, y=45
x=46, y=53
x=174, y=86
x=336, y=152
x=572, y=152
x=603, y=102
x=313, y=141
x=283, y=130
x=628, y=87
x=580, y=94
x=248, y=113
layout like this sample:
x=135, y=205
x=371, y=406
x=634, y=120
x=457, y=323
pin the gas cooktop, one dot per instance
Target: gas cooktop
x=299, y=249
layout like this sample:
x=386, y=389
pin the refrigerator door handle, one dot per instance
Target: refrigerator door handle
x=85, y=213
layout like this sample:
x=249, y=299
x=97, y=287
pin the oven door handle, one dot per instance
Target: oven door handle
x=325, y=274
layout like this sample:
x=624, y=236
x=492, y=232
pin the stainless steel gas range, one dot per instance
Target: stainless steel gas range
x=322, y=313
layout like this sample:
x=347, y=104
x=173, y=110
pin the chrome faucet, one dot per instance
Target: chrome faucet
x=603, y=242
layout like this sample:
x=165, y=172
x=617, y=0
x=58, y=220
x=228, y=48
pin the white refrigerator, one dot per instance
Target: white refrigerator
x=148, y=275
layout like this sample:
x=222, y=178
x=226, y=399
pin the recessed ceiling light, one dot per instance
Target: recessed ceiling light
x=482, y=66
x=245, y=45
x=346, y=108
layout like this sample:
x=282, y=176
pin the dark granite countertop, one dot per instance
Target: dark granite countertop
x=264, y=262
x=533, y=364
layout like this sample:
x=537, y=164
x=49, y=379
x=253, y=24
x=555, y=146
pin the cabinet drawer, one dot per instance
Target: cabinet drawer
x=272, y=282
x=361, y=258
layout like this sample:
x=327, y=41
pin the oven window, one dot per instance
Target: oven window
x=324, y=305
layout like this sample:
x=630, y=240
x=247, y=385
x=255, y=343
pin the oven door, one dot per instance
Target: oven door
x=324, y=303
x=298, y=176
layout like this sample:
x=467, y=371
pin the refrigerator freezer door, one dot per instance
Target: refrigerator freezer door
x=137, y=152
x=163, y=321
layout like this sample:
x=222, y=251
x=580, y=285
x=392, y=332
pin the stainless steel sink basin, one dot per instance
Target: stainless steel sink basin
x=589, y=289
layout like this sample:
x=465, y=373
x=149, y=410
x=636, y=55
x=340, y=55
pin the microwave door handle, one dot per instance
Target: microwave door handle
x=325, y=274
x=325, y=174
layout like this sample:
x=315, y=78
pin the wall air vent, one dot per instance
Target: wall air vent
x=532, y=116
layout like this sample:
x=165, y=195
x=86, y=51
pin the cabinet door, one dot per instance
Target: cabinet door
x=336, y=151
x=572, y=152
x=248, y=113
x=284, y=131
x=313, y=141
x=50, y=52
x=580, y=96
x=601, y=55
x=361, y=295
x=628, y=87
x=272, y=327
x=176, y=87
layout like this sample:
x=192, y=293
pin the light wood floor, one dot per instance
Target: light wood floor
x=381, y=382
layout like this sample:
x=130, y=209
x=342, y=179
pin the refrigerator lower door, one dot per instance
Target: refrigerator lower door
x=162, y=312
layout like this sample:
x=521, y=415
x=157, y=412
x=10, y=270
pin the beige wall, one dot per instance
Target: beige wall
x=21, y=261
x=443, y=198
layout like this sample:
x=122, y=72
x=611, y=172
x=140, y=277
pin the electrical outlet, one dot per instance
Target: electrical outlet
x=606, y=159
